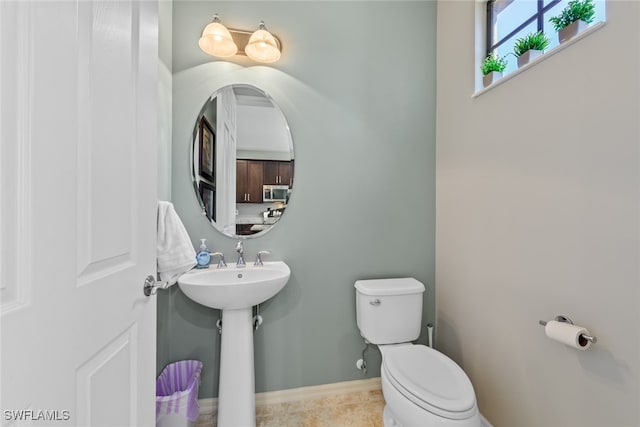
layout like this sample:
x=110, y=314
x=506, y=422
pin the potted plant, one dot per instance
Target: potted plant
x=529, y=47
x=492, y=68
x=573, y=19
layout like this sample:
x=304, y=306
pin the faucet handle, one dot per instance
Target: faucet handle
x=240, y=247
x=259, y=257
x=221, y=262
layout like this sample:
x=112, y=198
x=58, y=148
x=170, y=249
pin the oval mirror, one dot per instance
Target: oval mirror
x=242, y=161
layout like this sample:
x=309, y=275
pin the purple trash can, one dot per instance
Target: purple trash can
x=177, y=394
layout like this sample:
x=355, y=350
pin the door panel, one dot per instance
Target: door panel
x=106, y=184
x=109, y=369
x=78, y=202
x=15, y=197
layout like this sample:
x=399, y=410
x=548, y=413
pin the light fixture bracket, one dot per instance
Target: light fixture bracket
x=241, y=38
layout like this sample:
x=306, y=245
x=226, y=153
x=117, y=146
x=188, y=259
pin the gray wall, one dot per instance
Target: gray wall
x=165, y=18
x=537, y=213
x=357, y=84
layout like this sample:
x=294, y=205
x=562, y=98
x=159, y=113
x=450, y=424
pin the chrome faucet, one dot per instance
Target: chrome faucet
x=259, y=257
x=240, y=251
x=221, y=262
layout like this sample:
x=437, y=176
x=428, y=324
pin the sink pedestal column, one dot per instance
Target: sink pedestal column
x=236, y=391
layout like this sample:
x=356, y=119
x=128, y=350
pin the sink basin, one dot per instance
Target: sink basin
x=235, y=288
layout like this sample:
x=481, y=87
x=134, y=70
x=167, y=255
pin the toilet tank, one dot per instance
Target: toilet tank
x=389, y=311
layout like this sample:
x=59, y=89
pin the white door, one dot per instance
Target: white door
x=77, y=212
x=226, y=160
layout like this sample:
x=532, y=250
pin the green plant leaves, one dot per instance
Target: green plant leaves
x=493, y=63
x=576, y=10
x=532, y=41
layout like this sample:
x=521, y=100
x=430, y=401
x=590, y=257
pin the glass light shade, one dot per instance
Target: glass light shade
x=262, y=47
x=216, y=41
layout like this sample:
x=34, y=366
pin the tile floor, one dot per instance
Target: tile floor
x=357, y=409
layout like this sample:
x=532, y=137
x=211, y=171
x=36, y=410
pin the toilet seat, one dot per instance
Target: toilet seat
x=431, y=380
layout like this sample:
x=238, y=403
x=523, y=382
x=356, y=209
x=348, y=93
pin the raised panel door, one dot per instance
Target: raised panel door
x=78, y=225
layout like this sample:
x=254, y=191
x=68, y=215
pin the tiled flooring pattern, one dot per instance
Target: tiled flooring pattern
x=358, y=409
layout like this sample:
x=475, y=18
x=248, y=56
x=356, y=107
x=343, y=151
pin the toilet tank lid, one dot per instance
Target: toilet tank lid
x=398, y=286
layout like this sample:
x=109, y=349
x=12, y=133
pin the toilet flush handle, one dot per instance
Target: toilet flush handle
x=375, y=302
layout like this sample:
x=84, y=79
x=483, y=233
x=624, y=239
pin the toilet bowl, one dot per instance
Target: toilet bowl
x=421, y=386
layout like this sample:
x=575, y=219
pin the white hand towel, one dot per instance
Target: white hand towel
x=175, y=252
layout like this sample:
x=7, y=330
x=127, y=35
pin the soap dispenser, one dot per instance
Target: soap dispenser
x=203, y=258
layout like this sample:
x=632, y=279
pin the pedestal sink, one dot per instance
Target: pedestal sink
x=235, y=291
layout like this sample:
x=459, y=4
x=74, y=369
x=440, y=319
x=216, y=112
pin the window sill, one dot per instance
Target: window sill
x=541, y=58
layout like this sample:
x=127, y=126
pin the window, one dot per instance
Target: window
x=508, y=20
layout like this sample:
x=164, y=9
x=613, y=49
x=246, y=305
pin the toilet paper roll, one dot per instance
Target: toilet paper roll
x=568, y=334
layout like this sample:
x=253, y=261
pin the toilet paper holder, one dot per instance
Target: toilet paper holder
x=567, y=319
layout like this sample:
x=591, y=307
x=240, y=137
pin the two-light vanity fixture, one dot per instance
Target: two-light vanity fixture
x=261, y=45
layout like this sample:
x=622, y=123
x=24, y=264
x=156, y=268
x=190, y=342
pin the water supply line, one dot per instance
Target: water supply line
x=361, y=364
x=257, y=319
x=430, y=334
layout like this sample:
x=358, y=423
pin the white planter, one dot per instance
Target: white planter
x=528, y=56
x=491, y=78
x=571, y=30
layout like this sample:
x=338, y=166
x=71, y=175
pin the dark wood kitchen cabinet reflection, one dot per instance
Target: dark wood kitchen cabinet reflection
x=278, y=173
x=249, y=176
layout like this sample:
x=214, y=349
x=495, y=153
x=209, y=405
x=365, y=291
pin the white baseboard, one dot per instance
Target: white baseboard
x=210, y=406
x=484, y=421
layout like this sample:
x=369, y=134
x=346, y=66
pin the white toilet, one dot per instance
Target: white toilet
x=421, y=386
